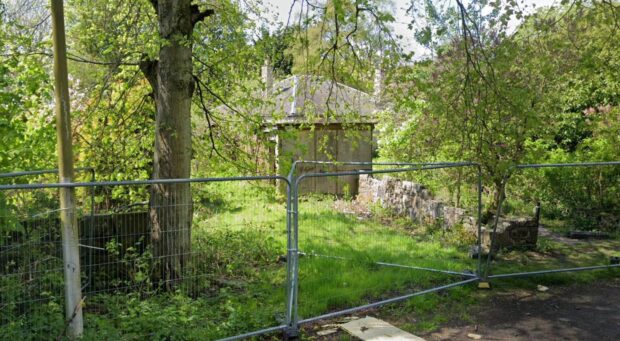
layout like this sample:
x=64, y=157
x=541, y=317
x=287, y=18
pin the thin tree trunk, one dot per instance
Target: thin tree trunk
x=491, y=209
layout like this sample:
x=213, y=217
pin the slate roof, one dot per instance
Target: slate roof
x=306, y=99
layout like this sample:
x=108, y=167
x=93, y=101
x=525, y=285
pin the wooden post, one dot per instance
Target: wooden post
x=68, y=218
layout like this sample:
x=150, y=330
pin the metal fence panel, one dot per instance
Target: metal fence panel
x=224, y=275
x=348, y=263
x=32, y=282
x=249, y=261
x=523, y=185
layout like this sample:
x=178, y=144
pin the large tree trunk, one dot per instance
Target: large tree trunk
x=173, y=85
x=171, y=205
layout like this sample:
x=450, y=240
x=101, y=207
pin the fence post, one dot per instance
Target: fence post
x=292, y=257
x=479, y=221
x=68, y=218
x=90, y=233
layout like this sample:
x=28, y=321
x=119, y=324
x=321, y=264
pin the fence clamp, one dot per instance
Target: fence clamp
x=485, y=285
x=291, y=333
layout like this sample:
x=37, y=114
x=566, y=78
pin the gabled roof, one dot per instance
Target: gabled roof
x=313, y=99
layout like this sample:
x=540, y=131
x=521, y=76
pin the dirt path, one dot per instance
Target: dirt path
x=584, y=312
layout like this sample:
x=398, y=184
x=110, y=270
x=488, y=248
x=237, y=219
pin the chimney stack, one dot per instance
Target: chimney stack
x=267, y=77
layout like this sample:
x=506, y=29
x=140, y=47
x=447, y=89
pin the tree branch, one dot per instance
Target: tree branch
x=149, y=69
x=198, y=15
x=212, y=125
x=70, y=56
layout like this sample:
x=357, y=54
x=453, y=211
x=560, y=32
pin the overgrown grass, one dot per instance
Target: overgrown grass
x=236, y=282
x=340, y=268
x=239, y=237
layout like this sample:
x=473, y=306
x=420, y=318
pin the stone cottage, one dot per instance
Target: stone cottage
x=313, y=118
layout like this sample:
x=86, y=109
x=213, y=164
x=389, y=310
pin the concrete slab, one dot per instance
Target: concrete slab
x=372, y=329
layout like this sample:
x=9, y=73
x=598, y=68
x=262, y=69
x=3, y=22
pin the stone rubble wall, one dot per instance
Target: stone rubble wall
x=410, y=199
x=514, y=232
